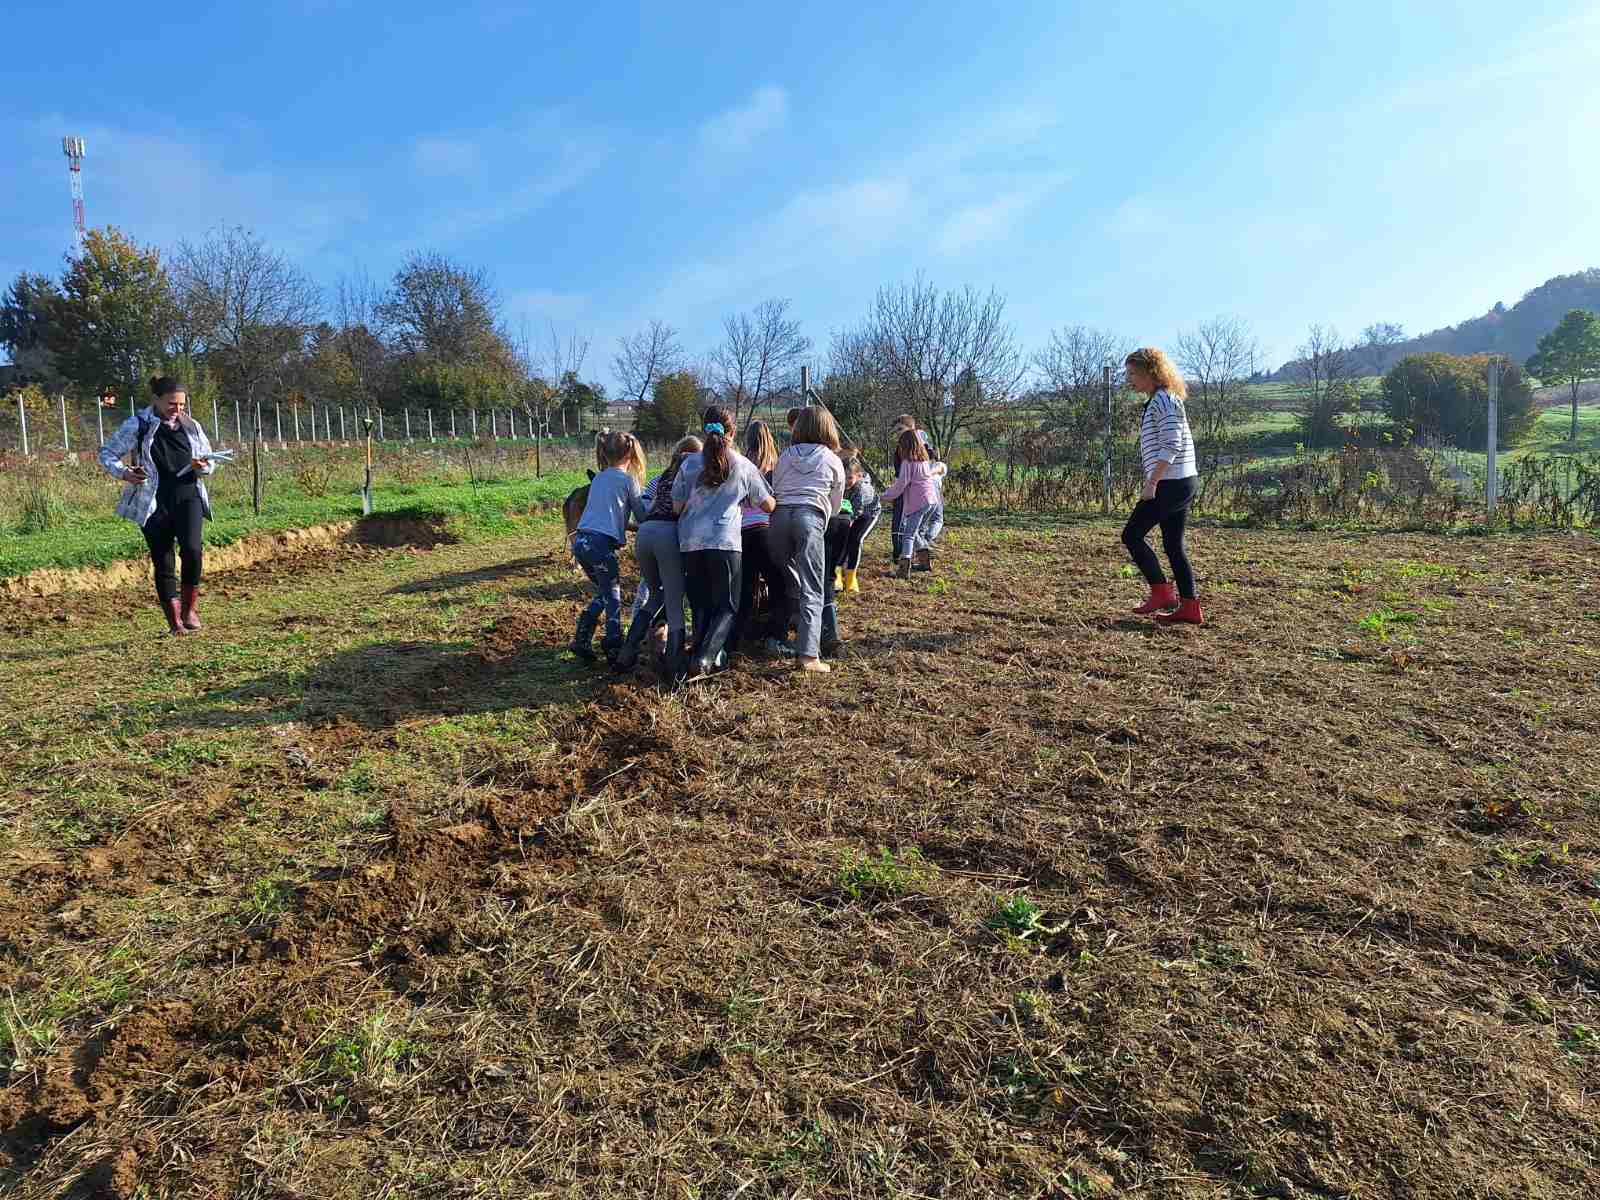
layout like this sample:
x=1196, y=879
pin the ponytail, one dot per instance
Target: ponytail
x=716, y=459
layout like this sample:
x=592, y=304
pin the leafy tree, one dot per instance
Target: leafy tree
x=1569, y=354
x=1447, y=395
x=27, y=314
x=673, y=409
x=441, y=310
x=111, y=320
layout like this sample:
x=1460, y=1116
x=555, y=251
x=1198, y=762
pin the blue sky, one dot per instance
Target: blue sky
x=1138, y=169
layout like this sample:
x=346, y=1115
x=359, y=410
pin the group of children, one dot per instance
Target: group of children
x=725, y=518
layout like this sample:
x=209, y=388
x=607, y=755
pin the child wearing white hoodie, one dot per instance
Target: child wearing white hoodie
x=808, y=484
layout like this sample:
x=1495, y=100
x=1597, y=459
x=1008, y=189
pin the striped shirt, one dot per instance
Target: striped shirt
x=1164, y=437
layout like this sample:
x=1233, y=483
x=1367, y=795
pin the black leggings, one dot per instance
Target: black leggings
x=712, y=579
x=1170, y=510
x=758, y=561
x=859, y=529
x=181, y=524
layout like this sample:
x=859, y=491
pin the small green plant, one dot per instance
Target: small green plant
x=1580, y=1042
x=884, y=877
x=1015, y=916
x=1381, y=623
x=369, y=1051
x=269, y=898
x=1031, y=1004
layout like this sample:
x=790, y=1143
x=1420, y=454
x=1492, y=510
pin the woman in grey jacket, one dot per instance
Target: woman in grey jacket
x=165, y=493
x=808, y=484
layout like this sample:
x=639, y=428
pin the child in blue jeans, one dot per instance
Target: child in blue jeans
x=614, y=497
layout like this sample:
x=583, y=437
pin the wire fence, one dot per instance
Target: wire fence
x=65, y=426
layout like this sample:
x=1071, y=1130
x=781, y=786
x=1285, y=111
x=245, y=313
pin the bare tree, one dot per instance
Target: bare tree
x=1217, y=358
x=644, y=357
x=1070, y=399
x=549, y=377
x=250, y=308
x=1377, y=346
x=359, y=338
x=759, y=351
x=1324, y=369
x=949, y=357
x=853, y=386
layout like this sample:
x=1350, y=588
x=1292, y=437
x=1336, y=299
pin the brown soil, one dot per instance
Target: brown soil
x=1316, y=898
x=220, y=560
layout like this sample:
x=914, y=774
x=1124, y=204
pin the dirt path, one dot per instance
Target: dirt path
x=372, y=891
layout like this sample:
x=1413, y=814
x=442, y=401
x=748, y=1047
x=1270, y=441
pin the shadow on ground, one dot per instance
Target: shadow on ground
x=387, y=683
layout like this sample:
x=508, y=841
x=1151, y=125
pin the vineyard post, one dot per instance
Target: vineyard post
x=255, y=459
x=22, y=419
x=1105, y=482
x=366, y=486
x=65, y=447
x=1491, y=482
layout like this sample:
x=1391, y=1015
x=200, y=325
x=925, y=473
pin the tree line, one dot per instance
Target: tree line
x=238, y=318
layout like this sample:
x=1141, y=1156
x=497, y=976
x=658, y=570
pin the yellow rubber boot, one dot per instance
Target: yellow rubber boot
x=838, y=579
x=851, y=582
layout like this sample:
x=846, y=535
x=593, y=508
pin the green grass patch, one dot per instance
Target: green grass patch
x=468, y=512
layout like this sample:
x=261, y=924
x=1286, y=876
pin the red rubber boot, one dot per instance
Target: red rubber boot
x=191, y=614
x=174, y=616
x=1162, y=597
x=1188, y=614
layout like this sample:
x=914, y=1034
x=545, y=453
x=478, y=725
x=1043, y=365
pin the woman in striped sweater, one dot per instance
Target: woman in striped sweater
x=1166, y=448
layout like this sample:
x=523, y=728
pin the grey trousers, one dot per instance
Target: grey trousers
x=661, y=568
x=795, y=540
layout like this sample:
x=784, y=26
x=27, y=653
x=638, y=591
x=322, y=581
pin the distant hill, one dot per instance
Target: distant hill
x=1514, y=331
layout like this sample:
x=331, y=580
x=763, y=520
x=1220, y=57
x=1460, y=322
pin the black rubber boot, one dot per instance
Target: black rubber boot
x=627, y=656
x=676, y=661
x=830, y=630
x=583, y=639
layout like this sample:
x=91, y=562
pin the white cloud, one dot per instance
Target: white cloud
x=989, y=221
x=739, y=128
x=445, y=156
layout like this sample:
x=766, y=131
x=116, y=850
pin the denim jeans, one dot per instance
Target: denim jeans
x=597, y=555
x=932, y=526
x=911, y=526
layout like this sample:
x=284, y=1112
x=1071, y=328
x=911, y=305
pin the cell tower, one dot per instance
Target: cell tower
x=72, y=147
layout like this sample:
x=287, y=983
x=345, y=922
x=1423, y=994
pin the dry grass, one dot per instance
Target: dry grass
x=371, y=891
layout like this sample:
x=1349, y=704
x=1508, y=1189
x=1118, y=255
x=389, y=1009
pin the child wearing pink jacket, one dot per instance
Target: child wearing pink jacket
x=917, y=486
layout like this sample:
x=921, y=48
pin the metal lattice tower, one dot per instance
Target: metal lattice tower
x=72, y=147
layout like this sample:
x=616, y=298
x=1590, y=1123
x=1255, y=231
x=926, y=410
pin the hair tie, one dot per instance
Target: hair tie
x=714, y=427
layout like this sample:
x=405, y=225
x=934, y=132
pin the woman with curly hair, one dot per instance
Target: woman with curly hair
x=1166, y=450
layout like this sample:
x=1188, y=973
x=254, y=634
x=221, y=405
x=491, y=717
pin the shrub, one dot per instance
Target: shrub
x=1447, y=395
x=43, y=509
x=313, y=474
